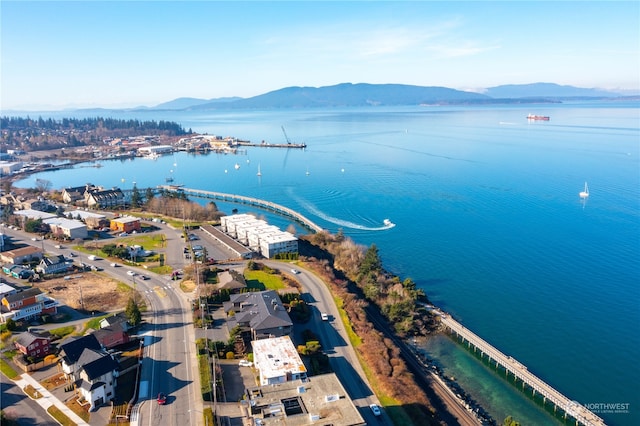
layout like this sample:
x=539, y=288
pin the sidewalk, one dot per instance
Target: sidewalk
x=47, y=399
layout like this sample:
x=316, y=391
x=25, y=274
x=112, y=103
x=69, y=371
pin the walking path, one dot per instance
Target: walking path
x=47, y=399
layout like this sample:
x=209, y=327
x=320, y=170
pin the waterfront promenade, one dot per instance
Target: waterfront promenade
x=267, y=205
x=571, y=408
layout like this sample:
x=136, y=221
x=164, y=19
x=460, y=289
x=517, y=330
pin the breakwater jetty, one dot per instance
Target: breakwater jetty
x=570, y=408
x=255, y=202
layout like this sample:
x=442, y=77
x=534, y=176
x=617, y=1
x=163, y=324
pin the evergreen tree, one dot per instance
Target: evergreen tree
x=149, y=194
x=133, y=312
x=135, y=197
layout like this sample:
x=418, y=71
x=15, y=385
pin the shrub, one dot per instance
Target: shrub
x=230, y=355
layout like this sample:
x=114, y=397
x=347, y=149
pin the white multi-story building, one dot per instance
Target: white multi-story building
x=258, y=235
x=277, y=361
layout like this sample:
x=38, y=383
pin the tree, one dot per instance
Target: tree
x=135, y=197
x=133, y=312
x=43, y=185
x=371, y=262
x=149, y=194
x=11, y=325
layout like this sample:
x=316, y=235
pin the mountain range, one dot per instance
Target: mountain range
x=362, y=94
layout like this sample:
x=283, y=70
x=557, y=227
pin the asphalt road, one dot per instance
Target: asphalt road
x=169, y=364
x=335, y=343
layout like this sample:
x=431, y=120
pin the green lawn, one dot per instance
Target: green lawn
x=263, y=281
x=7, y=370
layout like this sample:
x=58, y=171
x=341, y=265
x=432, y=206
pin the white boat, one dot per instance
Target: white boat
x=237, y=166
x=585, y=193
x=387, y=222
x=259, y=172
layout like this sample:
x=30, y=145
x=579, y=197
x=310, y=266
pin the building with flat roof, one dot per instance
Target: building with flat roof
x=318, y=400
x=67, y=228
x=258, y=235
x=277, y=360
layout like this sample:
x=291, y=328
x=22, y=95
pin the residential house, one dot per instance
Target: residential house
x=93, y=371
x=76, y=194
x=230, y=280
x=26, y=305
x=119, y=318
x=126, y=224
x=6, y=289
x=112, y=335
x=36, y=204
x=22, y=255
x=97, y=375
x=105, y=198
x=53, y=265
x=261, y=314
x=17, y=271
x=33, y=345
x=70, y=352
x=277, y=361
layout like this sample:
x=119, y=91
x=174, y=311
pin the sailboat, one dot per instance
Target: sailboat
x=585, y=193
x=259, y=172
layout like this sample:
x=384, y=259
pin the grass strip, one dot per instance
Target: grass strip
x=59, y=416
x=7, y=370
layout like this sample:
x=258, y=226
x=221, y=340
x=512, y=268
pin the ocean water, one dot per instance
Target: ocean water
x=488, y=222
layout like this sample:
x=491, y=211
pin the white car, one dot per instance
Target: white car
x=131, y=273
x=375, y=409
x=295, y=271
x=324, y=316
x=245, y=363
x=114, y=264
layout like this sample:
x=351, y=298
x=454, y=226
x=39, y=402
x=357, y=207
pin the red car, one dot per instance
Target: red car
x=162, y=398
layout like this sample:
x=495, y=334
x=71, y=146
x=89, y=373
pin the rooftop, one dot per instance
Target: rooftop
x=319, y=400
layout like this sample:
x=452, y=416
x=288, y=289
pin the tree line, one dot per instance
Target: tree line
x=86, y=124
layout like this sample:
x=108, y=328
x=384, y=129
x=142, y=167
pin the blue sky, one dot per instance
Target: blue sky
x=130, y=53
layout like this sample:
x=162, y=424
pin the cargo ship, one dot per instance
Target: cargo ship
x=537, y=117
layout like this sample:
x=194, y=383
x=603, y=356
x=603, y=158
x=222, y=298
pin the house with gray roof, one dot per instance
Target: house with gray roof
x=259, y=313
x=33, y=345
x=97, y=373
x=53, y=265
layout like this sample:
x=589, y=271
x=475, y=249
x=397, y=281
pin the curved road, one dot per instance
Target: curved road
x=335, y=343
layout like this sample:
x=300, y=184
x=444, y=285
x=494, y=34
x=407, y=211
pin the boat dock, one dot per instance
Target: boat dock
x=273, y=145
x=240, y=199
x=571, y=408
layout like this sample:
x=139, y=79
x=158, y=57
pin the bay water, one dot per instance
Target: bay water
x=487, y=218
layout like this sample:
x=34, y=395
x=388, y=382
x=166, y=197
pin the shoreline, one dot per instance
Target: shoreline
x=448, y=387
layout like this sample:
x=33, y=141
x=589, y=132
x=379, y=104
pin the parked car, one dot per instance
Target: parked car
x=375, y=409
x=123, y=234
x=162, y=398
x=245, y=363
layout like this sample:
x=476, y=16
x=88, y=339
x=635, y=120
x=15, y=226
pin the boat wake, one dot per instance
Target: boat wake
x=387, y=224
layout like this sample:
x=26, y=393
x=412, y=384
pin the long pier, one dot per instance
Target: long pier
x=256, y=202
x=581, y=414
